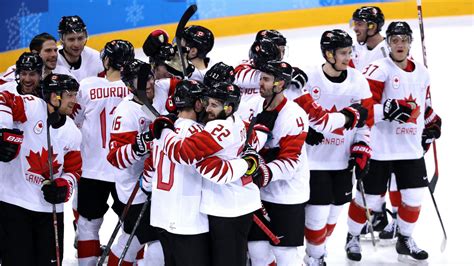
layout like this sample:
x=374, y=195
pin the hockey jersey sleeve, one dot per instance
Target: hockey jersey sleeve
x=221, y=171
x=376, y=78
x=122, y=137
x=319, y=119
x=72, y=167
x=291, y=145
x=12, y=109
x=78, y=111
x=246, y=76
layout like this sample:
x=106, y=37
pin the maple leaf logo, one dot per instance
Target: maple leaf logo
x=39, y=163
x=416, y=109
x=337, y=131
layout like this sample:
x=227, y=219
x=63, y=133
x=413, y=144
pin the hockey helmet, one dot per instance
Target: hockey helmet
x=273, y=35
x=71, y=24
x=228, y=93
x=30, y=62
x=219, y=72
x=188, y=92
x=370, y=14
x=58, y=83
x=200, y=38
x=399, y=28
x=335, y=39
x=279, y=69
x=263, y=51
x=119, y=52
x=130, y=72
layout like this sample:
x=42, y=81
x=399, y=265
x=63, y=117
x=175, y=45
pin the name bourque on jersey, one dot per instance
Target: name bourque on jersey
x=128, y=121
x=91, y=65
x=334, y=151
x=392, y=140
x=290, y=168
x=362, y=56
x=24, y=175
x=227, y=195
x=97, y=100
x=176, y=196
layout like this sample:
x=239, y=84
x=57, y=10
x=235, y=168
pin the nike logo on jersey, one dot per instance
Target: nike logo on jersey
x=348, y=193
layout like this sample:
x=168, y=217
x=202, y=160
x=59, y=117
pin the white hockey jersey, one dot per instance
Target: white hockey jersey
x=362, y=56
x=225, y=194
x=22, y=178
x=199, y=74
x=334, y=151
x=392, y=140
x=91, y=64
x=97, y=100
x=129, y=120
x=290, y=180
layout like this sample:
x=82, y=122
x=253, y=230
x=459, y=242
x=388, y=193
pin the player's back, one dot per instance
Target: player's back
x=97, y=100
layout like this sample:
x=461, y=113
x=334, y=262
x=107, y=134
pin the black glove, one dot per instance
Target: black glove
x=10, y=143
x=299, y=78
x=398, y=110
x=432, y=128
x=262, y=176
x=267, y=118
x=253, y=159
x=269, y=155
x=142, y=143
x=314, y=137
x=162, y=122
x=57, y=191
x=356, y=115
x=360, y=158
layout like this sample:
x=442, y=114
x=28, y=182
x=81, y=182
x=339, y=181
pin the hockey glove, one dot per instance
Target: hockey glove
x=10, y=143
x=262, y=176
x=57, y=191
x=162, y=122
x=432, y=128
x=360, y=158
x=253, y=159
x=398, y=110
x=267, y=118
x=269, y=155
x=299, y=78
x=143, y=142
x=314, y=137
x=356, y=115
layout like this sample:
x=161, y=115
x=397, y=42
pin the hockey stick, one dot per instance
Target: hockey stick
x=360, y=184
x=130, y=238
x=179, y=34
x=119, y=223
x=434, y=180
x=55, y=216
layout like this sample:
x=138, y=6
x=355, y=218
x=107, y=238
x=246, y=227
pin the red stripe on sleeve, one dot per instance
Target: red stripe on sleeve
x=117, y=140
x=193, y=148
x=315, y=112
x=376, y=87
x=16, y=105
x=73, y=164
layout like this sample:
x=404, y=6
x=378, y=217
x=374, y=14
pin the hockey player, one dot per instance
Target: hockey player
x=45, y=45
x=331, y=162
x=28, y=190
x=276, y=37
x=367, y=23
x=83, y=61
x=28, y=70
x=400, y=91
x=130, y=143
x=97, y=101
x=286, y=190
x=198, y=41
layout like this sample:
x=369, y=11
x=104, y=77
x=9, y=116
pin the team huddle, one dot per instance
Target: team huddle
x=208, y=164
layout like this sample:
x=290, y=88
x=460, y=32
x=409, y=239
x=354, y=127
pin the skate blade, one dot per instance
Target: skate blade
x=367, y=238
x=410, y=260
x=387, y=242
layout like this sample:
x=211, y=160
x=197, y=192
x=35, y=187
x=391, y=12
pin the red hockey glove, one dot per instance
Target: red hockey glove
x=162, y=122
x=262, y=176
x=398, y=110
x=356, y=115
x=432, y=128
x=10, y=143
x=360, y=158
x=57, y=191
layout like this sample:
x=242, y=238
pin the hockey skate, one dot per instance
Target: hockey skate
x=379, y=222
x=310, y=261
x=353, y=249
x=408, y=251
x=389, y=234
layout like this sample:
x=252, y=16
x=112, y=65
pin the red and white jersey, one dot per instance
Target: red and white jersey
x=199, y=74
x=176, y=193
x=91, y=65
x=97, y=100
x=22, y=177
x=362, y=56
x=290, y=181
x=129, y=120
x=225, y=193
x=164, y=88
x=334, y=151
x=247, y=77
x=392, y=140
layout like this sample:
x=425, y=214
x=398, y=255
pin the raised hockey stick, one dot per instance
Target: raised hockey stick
x=360, y=184
x=137, y=223
x=55, y=216
x=147, y=107
x=119, y=224
x=179, y=34
x=434, y=180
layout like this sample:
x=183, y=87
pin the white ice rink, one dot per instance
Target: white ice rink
x=450, y=63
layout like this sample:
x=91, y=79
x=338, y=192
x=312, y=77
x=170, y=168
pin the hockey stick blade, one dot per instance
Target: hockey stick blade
x=179, y=34
x=147, y=107
x=367, y=213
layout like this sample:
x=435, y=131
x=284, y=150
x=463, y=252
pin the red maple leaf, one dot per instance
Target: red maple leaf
x=39, y=163
x=337, y=131
x=416, y=110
